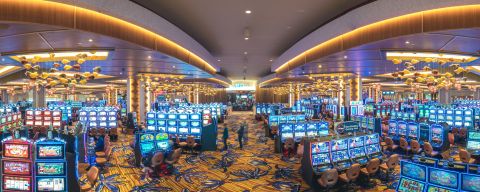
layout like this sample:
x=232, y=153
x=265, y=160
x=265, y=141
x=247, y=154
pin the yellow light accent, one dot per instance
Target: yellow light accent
x=424, y=55
x=59, y=56
x=6, y=69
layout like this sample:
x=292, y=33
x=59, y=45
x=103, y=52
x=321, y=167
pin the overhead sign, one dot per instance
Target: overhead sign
x=243, y=85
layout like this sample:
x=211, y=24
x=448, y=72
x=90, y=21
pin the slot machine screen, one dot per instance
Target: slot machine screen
x=56, y=113
x=183, y=116
x=161, y=136
x=371, y=149
x=16, y=167
x=320, y=147
x=172, y=123
x=162, y=145
x=17, y=183
x=195, y=117
x=439, y=189
x=412, y=130
x=473, y=145
x=147, y=147
x=470, y=182
x=320, y=159
x=413, y=170
x=299, y=131
x=50, y=168
x=312, y=129
x=92, y=113
x=282, y=119
x=102, y=113
x=340, y=156
x=443, y=178
x=38, y=112
x=151, y=127
x=340, y=144
x=161, y=116
x=410, y=185
x=183, y=130
x=50, y=151
x=151, y=115
x=51, y=184
x=356, y=142
x=357, y=152
x=112, y=124
x=29, y=112
x=458, y=123
x=150, y=122
x=474, y=135
x=9, y=118
x=14, y=150
x=371, y=139
x=392, y=127
x=195, y=130
x=161, y=123
x=402, y=128
x=94, y=118
x=103, y=118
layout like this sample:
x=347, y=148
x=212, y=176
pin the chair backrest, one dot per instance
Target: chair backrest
x=403, y=143
x=415, y=145
x=464, y=156
x=157, y=158
x=329, y=178
x=353, y=172
x=373, y=165
x=274, y=130
x=190, y=140
x=289, y=143
x=427, y=147
x=108, y=151
x=451, y=138
x=393, y=161
x=446, y=155
x=455, y=130
x=389, y=141
x=92, y=175
x=463, y=132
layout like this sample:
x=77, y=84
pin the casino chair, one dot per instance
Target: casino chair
x=300, y=148
x=114, y=134
x=390, y=165
x=465, y=156
x=92, y=176
x=446, y=155
x=404, y=145
x=191, y=144
x=174, y=157
x=415, y=147
x=350, y=175
x=274, y=130
x=427, y=147
x=157, y=158
x=288, y=147
x=371, y=169
x=451, y=139
x=102, y=160
x=463, y=135
x=390, y=145
x=455, y=131
x=328, y=179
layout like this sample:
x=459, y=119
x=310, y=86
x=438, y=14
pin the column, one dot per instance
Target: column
x=5, y=96
x=133, y=95
x=297, y=93
x=348, y=95
x=196, y=96
x=476, y=94
x=355, y=89
x=444, y=96
x=339, y=103
x=142, y=102
x=291, y=96
x=39, y=97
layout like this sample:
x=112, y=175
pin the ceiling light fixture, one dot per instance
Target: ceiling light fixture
x=248, y=11
x=319, y=66
x=245, y=52
x=149, y=57
x=345, y=57
x=407, y=42
x=219, y=60
x=246, y=38
x=90, y=40
x=271, y=60
x=246, y=33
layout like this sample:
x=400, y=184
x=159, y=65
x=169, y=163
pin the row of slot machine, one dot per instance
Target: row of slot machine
x=297, y=131
x=435, y=134
x=66, y=111
x=98, y=117
x=42, y=117
x=215, y=109
x=43, y=170
x=10, y=120
x=268, y=108
x=181, y=124
x=407, y=116
x=152, y=142
x=423, y=178
x=275, y=120
x=9, y=109
x=365, y=122
x=461, y=118
x=356, y=108
x=342, y=153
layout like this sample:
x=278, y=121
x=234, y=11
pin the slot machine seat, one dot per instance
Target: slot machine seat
x=415, y=147
x=404, y=145
x=350, y=175
x=157, y=158
x=465, y=156
x=371, y=169
x=390, y=165
x=328, y=179
x=446, y=155
x=451, y=139
x=390, y=145
x=92, y=176
x=102, y=160
x=174, y=157
x=455, y=131
x=463, y=134
x=427, y=147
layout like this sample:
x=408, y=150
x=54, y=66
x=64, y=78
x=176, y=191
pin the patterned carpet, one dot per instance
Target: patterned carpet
x=255, y=168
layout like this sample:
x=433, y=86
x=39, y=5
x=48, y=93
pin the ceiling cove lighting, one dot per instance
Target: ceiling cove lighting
x=248, y=12
x=58, y=56
x=423, y=55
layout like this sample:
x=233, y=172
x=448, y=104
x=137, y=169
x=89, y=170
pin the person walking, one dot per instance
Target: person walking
x=225, y=137
x=240, y=132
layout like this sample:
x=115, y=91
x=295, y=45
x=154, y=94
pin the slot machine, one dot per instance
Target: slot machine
x=112, y=118
x=394, y=115
x=392, y=129
x=323, y=128
x=412, y=177
x=412, y=131
x=424, y=133
x=372, y=146
x=291, y=119
x=56, y=118
x=147, y=144
x=312, y=129
x=258, y=109
x=356, y=149
x=473, y=142
x=449, y=117
x=50, y=165
x=38, y=116
x=206, y=116
x=17, y=168
x=29, y=117
x=286, y=131
x=282, y=119
x=320, y=156
x=458, y=118
x=440, y=115
x=432, y=116
x=402, y=130
x=300, y=118
x=183, y=127
x=172, y=124
x=102, y=119
x=83, y=116
x=195, y=125
x=468, y=118
x=161, y=142
x=151, y=121
x=161, y=122
x=92, y=118
x=273, y=120
x=299, y=132
x=406, y=116
x=438, y=137
x=340, y=157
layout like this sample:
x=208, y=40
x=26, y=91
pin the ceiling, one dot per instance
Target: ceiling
x=274, y=26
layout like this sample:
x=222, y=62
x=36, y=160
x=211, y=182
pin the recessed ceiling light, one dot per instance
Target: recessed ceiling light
x=149, y=57
x=246, y=38
x=407, y=42
x=245, y=52
x=319, y=66
x=173, y=66
x=271, y=60
x=345, y=57
x=90, y=40
x=219, y=60
x=248, y=11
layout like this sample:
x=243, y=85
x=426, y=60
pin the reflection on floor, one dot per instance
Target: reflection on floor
x=255, y=168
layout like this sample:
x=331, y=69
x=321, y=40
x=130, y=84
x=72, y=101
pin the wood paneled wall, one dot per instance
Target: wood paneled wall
x=219, y=97
x=265, y=95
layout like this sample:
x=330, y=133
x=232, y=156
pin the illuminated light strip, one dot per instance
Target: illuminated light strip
x=366, y=27
x=6, y=69
x=428, y=55
x=45, y=57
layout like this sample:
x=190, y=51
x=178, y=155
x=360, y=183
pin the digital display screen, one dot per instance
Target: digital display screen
x=413, y=170
x=402, y=128
x=412, y=130
x=16, y=150
x=341, y=144
x=183, y=123
x=340, y=156
x=146, y=147
x=183, y=116
x=172, y=123
x=371, y=149
x=357, y=152
x=183, y=130
x=161, y=116
x=16, y=167
x=433, y=188
x=443, y=178
x=146, y=138
x=195, y=123
x=162, y=145
x=356, y=142
x=50, y=168
x=51, y=184
x=473, y=145
x=172, y=116
x=320, y=147
x=17, y=183
x=195, y=116
x=161, y=123
x=150, y=122
x=409, y=185
x=320, y=159
x=195, y=130
x=172, y=129
x=392, y=127
x=470, y=182
x=49, y=151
